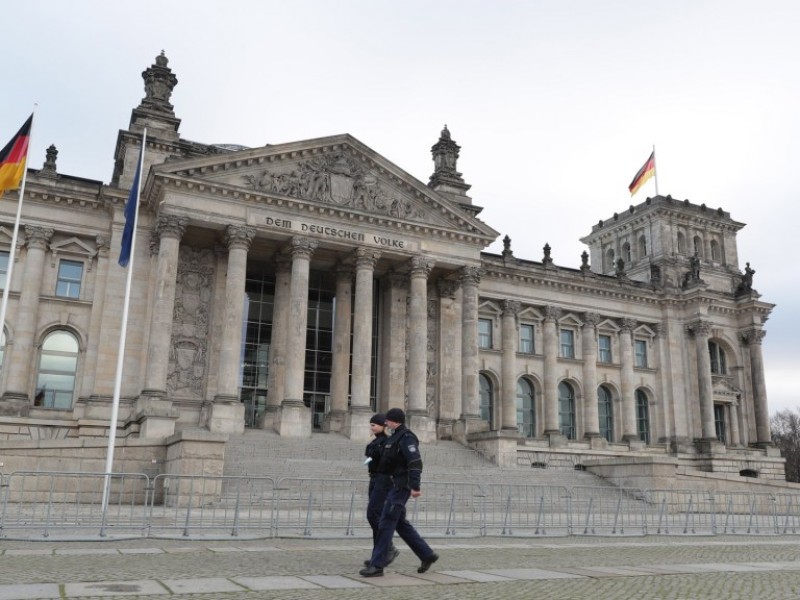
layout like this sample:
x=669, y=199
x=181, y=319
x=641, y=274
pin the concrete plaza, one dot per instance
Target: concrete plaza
x=733, y=567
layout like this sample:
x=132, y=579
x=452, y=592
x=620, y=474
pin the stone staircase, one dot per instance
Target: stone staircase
x=332, y=456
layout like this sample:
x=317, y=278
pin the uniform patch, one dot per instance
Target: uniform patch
x=412, y=448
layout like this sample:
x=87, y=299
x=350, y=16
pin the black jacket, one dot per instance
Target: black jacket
x=374, y=450
x=401, y=459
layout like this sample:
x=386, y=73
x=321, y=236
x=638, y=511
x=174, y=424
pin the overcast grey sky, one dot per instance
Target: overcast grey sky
x=556, y=104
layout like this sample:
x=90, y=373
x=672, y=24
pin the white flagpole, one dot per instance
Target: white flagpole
x=112, y=427
x=655, y=176
x=13, y=250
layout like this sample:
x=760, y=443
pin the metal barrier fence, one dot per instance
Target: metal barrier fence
x=68, y=505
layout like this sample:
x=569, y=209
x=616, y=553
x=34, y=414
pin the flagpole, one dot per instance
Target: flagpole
x=112, y=428
x=655, y=175
x=13, y=250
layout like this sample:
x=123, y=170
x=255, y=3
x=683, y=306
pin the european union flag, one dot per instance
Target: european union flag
x=130, y=215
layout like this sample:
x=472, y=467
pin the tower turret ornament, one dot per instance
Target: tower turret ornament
x=445, y=158
x=159, y=81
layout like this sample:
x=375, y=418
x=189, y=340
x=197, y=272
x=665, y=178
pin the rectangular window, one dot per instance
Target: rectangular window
x=640, y=353
x=604, y=348
x=719, y=422
x=70, y=273
x=3, y=269
x=484, y=333
x=526, y=339
x=567, y=343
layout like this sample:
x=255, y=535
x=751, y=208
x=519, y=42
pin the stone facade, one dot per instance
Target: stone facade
x=652, y=346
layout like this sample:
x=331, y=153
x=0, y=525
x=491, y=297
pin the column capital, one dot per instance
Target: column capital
x=591, y=319
x=239, y=236
x=470, y=275
x=660, y=328
x=103, y=245
x=302, y=247
x=37, y=236
x=171, y=226
x=552, y=313
x=366, y=258
x=752, y=337
x=511, y=308
x=628, y=325
x=420, y=267
x=698, y=328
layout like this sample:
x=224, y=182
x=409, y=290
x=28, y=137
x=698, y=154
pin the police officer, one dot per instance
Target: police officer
x=378, y=482
x=401, y=459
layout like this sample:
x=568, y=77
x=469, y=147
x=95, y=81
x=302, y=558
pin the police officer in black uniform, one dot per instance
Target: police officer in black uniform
x=378, y=482
x=401, y=460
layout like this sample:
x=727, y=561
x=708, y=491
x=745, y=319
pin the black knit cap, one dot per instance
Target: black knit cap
x=378, y=419
x=396, y=415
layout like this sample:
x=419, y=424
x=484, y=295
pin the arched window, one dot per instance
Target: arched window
x=526, y=416
x=605, y=413
x=566, y=410
x=681, y=243
x=58, y=363
x=716, y=253
x=698, y=246
x=642, y=246
x=626, y=253
x=718, y=362
x=609, y=266
x=486, y=399
x=642, y=416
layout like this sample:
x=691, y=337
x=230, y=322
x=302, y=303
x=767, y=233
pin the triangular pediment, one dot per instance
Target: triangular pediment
x=338, y=172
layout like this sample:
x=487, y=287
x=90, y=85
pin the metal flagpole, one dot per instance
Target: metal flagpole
x=655, y=164
x=112, y=428
x=13, y=250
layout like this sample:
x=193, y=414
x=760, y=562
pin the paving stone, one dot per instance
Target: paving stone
x=477, y=576
x=115, y=588
x=141, y=551
x=207, y=585
x=334, y=581
x=274, y=583
x=29, y=591
x=530, y=574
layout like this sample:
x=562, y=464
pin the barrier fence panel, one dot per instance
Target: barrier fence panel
x=528, y=510
x=447, y=508
x=211, y=506
x=609, y=511
x=681, y=512
x=321, y=507
x=44, y=504
x=747, y=513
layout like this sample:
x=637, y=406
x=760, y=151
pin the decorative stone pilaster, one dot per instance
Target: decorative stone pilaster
x=448, y=356
x=276, y=374
x=630, y=433
x=19, y=355
x=295, y=416
x=419, y=419
x=591, y=423
x=340, y=366
x=508, y=390
x=550, y=334
x=470, y=420
x=357, y=422
x=393, y=342
x=700, y=330
x=752, y=339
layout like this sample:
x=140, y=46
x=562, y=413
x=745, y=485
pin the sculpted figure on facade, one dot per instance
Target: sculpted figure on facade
x=335, y=179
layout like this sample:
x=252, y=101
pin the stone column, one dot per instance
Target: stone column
x=226, y=414
x=153, y=409
x=422, y=424
x=630, y=432
x=591, y=420
x=277, y=345
x=550, y=334
x=449, y=357
x=700, y=330
x=509, y=366
x=753, y=339
x=357, y=423
x=470, y=420
x=736, y=439
x=295, y=416
x=340, y=363
x=21, y=354
x=393, y=342
x=95, y=324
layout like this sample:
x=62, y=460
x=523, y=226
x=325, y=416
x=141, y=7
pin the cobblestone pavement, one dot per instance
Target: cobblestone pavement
x=650, y=568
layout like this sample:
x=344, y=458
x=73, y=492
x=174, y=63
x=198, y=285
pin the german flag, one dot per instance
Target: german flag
x=13, y=158
x=645, y=173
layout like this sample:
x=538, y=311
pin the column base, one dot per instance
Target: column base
x=466, y=426
x=633, y=441
x=334, y=421
x=14, y=404
x=225, y=415
x=293, y=420
x=423, y=427
x=267, y=419
x=596, y=441
x=556, y=439
x=155, y=415
x=444, y=429
x=356, y=424
x=709, y=446
x=498, y=446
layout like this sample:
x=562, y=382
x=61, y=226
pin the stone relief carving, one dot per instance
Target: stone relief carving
x=339, y=180
x=191, y=316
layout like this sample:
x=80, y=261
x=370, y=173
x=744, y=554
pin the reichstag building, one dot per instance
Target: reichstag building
x=300, y=287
